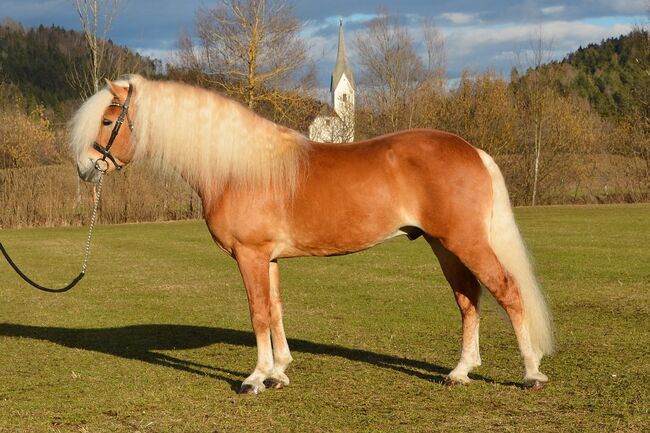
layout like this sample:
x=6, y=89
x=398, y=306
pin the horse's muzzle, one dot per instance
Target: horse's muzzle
x=87, y=171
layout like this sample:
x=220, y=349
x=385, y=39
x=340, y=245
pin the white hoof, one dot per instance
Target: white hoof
x=535, y=380
x=277, y=380
x=251, y=388
x=457, y=379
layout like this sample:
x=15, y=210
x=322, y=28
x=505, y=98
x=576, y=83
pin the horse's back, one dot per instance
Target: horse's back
x=356, y=195
x=429, y=164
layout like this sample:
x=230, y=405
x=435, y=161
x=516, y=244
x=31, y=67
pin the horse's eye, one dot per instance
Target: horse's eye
x=106, y=122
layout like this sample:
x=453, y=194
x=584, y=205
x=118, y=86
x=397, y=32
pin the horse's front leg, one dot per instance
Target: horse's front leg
x=281, y=354
x=254, y=268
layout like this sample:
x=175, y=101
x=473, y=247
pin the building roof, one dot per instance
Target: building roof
x=342, y=65
x=326, y=110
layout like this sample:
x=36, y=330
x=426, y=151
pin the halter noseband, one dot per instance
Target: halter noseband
x=105, y=151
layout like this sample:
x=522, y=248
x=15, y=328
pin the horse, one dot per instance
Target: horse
x=269, y=193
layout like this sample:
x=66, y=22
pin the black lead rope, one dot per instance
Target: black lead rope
x=33, y=283
x=78, y=278
x=106, y=153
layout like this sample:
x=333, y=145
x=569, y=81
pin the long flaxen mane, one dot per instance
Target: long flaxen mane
x=209, y=139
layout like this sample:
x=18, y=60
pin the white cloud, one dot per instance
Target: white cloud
x=503, y=46
x=473, y=42
x=507, y=56
x=467, y=39
x=458, y=18
x=553, y=10
x=359, y=18
x=313, y=26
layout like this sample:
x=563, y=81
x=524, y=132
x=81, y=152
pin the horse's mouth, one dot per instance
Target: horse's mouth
x=88, y=172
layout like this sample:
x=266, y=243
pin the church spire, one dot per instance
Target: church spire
x=342, y=65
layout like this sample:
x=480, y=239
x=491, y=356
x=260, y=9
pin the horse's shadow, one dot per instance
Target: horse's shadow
x=141, y=342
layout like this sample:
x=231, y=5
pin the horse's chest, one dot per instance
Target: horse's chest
x=243, y=226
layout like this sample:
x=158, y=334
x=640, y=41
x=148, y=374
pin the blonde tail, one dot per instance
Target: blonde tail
x=507, y=243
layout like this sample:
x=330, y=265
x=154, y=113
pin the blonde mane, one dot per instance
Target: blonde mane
x=84, y=126
x=209, y=139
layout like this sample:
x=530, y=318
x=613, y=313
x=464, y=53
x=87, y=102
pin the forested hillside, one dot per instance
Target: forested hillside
x=41, y=62
x=613, y=75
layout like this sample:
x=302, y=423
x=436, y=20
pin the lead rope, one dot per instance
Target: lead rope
x=93, y=218
x=84, y=265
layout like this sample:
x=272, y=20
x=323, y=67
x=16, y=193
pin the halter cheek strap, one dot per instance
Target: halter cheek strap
x=106, y=151
x=101, y=163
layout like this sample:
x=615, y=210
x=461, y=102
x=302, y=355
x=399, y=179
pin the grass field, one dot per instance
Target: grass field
x=157, y=336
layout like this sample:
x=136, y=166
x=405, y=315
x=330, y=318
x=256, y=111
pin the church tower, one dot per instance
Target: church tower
x=335, y=124
x=342, y=84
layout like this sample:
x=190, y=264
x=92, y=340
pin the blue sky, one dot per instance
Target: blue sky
x=478, y=34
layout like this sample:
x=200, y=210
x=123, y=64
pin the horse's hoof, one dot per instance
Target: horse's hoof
x=273, y=383
x=449, y=381
x=534, y=384
x=249, y=389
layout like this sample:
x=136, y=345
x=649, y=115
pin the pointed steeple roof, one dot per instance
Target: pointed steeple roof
x=342, y=65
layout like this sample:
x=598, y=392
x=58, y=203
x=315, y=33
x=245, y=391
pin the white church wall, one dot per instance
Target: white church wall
x=330, y=129
x=323, y=128
x=342, y=96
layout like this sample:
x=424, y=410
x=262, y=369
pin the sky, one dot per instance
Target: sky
x=494, y=34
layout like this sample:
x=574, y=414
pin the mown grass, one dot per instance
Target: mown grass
x=157, y=335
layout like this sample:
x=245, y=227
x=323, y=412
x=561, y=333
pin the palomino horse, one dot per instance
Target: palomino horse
x=268, y=194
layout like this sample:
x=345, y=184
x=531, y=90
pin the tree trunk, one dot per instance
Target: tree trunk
x=538, y=148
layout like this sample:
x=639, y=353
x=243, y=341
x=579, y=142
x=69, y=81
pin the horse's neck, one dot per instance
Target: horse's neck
x=245, y=154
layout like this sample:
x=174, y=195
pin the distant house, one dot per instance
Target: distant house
x=335, y=123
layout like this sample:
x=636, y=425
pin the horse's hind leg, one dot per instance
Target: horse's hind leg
x=484, y=264
x=467, y=292
x=281, y=354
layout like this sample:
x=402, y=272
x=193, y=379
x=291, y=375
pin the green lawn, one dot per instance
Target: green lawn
x=157, y=336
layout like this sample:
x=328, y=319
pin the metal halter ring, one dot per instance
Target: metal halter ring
x=99, y=163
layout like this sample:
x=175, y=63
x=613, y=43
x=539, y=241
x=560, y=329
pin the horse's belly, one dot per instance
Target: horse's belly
x=341, y=233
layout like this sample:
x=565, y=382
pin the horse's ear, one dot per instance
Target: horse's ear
x=113, y=88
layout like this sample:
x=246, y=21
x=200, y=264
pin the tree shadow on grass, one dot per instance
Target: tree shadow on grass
x=141, y=342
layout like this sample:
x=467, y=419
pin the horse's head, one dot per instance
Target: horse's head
x=102, y=131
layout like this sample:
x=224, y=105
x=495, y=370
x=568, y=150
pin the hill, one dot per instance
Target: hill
x=613, y=75
x=40, y=61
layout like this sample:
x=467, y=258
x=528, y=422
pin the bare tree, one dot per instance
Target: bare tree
x=393, y=72
x=390, y=68
x=533, y=97
x=96, y=18
x=434, y=43
x=482, y=111
x=344, y=130
x=250, y=49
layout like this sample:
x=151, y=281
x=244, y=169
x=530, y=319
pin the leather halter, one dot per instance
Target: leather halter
x=106, y=151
